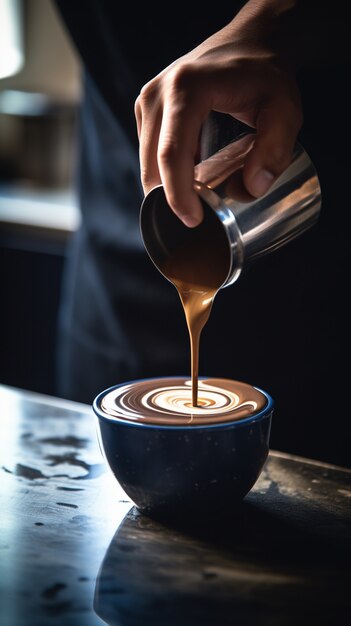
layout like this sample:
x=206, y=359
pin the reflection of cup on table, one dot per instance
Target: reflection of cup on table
x=174, y=459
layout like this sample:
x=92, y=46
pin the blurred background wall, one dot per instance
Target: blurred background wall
x=49, y=63
x=39, y=102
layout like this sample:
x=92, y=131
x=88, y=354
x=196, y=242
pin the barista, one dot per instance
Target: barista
x=119, y=318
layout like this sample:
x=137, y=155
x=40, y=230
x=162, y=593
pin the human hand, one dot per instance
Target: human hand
x=233, y=72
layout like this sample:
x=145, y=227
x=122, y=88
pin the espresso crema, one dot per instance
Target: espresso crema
x=168, y=401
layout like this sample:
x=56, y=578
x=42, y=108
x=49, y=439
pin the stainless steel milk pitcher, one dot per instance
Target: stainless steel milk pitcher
x=253, y=226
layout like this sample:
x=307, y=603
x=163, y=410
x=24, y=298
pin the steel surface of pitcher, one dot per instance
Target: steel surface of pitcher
x=252, y=226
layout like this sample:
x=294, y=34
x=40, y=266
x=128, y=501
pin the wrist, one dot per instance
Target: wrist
x=271, y=28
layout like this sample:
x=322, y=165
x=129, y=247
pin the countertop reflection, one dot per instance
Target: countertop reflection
x=75, y=551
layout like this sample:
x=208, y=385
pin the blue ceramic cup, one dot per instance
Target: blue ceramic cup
x=176, y=469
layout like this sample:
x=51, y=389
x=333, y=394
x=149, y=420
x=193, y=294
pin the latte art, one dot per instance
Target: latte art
x=169, y=401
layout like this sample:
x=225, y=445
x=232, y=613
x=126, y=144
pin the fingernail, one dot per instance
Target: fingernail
x=190, y=220
x=261, y=182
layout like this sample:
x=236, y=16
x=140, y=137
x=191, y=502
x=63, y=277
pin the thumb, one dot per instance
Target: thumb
x=277, y=127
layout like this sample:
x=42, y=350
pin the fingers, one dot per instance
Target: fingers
x=178, y=142
x=169, y=122
x=170, y=112
x=277, y=124
x=148, y=113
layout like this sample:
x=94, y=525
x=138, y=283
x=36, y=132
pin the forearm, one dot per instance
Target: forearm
x=299, y=33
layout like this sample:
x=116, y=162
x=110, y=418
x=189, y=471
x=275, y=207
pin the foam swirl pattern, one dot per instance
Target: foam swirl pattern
x=168, y=401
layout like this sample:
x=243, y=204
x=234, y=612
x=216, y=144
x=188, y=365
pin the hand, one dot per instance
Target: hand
x=233, y=72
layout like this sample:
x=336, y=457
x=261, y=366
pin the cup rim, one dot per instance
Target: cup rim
x=101, y=415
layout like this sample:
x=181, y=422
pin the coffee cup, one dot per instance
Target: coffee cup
x=177, y=461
